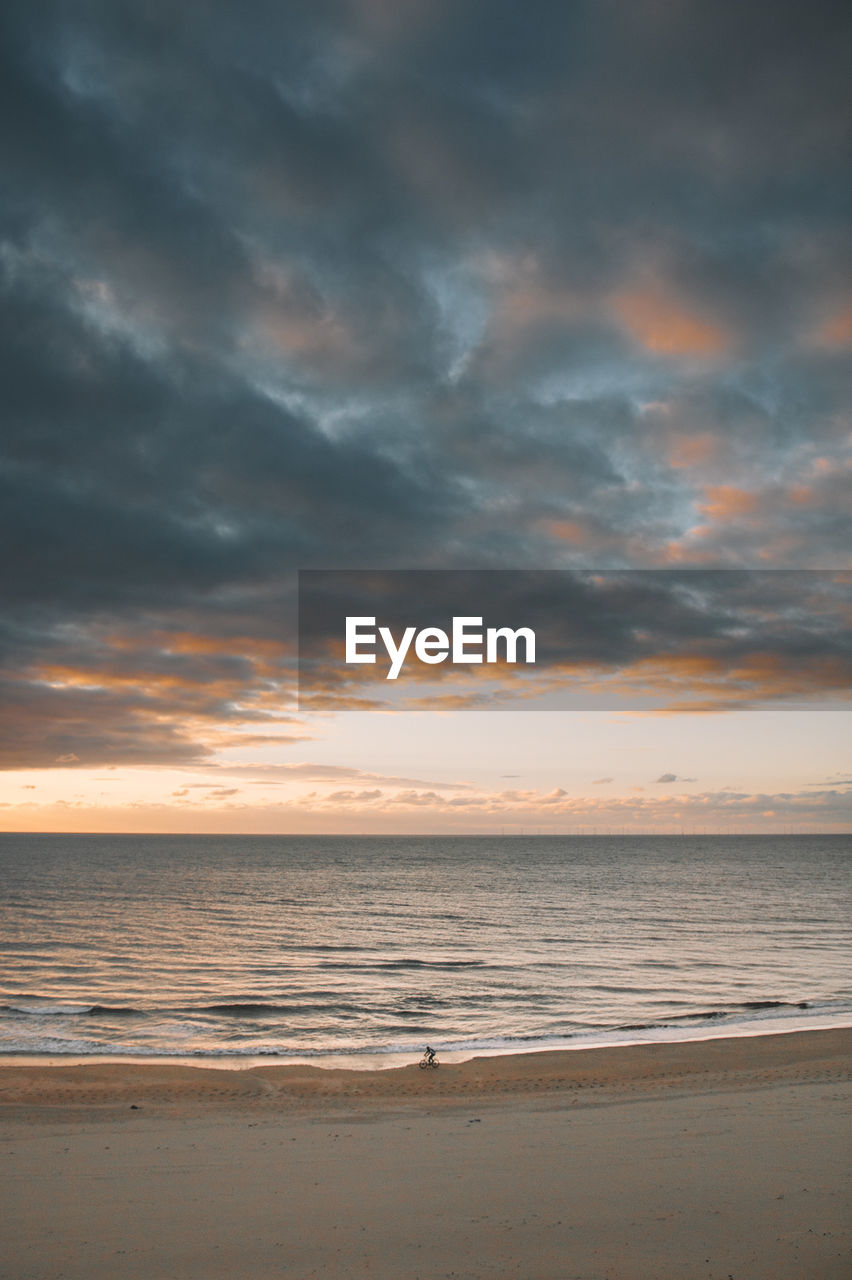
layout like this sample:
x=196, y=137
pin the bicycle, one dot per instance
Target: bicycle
x=426, y=1061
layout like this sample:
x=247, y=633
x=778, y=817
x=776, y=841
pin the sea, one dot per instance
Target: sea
x=360, y=950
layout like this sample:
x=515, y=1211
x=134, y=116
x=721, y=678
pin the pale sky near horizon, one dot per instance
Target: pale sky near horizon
x=422, y=285
x=471, y=772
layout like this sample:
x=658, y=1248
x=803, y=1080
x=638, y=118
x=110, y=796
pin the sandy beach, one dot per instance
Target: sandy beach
x=722, y=1159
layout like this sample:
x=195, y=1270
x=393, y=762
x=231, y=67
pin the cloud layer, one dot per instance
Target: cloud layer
x=371, y=285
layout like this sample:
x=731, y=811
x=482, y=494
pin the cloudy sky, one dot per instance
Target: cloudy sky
x=422, y=284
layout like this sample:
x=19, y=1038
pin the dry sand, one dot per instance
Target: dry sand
x=719, y=1159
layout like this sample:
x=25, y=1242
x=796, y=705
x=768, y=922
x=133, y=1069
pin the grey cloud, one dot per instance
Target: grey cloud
x=301, y=286
x=306, y=771
x=44, y=727
x=352, y=797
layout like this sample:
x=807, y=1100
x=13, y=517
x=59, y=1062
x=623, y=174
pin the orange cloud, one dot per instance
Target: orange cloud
x=569, y=531
x=685, y=553
x=702, y=682
x=801, y=495
x=692, y=451
x=586, y=532
x=155, y=695
x=725, y=501
x=667, y=328
x=836, y=330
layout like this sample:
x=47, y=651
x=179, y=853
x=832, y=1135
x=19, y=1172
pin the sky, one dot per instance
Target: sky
x=425, y=285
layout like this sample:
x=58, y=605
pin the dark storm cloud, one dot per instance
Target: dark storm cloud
x=427, y=283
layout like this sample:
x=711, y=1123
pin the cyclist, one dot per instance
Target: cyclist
x=429, y=1055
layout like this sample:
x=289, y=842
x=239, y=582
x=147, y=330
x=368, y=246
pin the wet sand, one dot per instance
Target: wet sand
x=712, y=1159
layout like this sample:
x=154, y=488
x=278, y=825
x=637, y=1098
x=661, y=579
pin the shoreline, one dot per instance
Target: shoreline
x=367, y=1059
x=569, y=1074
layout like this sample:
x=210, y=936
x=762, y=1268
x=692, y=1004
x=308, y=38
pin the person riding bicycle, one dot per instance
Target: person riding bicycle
x=429, y=1055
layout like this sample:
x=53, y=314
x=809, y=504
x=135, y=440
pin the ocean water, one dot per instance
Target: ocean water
x=363, y=949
